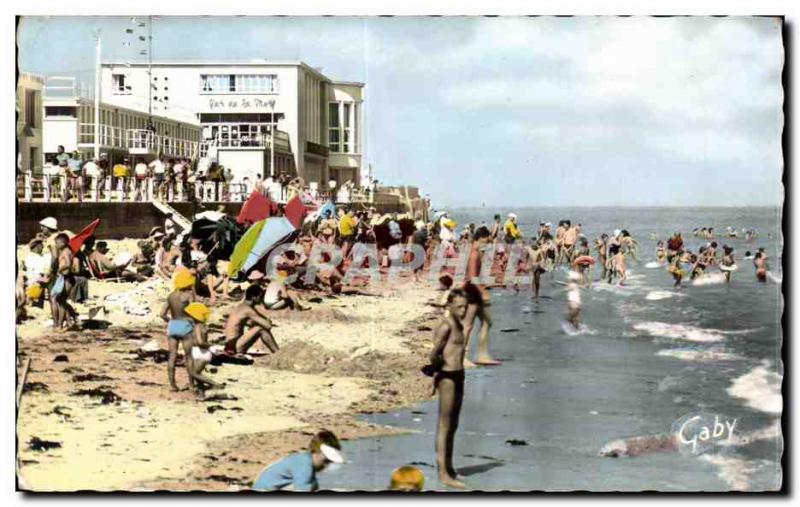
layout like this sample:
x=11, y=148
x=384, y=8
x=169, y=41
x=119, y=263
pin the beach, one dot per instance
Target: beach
x=102, y=396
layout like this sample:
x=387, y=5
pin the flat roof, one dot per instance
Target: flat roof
x=208, y=63
x=348, y=83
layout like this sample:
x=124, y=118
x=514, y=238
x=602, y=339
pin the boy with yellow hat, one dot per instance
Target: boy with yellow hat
x=180, y=325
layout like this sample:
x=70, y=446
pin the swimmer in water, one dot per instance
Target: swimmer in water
x=698, y=264
x=583, y=251
x=601, y=247
x=661, y=253
x=676, y=269
x=760, y=263
x=727, y=261
x=574, y=300
x=616, y=264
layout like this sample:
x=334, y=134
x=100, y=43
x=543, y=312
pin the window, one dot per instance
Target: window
x=342, y=119
x=120, y=84
x=59, y=111
x=238, y=83
x=333, y=126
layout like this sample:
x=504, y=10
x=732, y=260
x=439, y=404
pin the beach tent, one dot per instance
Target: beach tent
x=79, y=239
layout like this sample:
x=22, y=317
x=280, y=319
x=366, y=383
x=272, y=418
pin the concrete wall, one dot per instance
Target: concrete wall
x=119, y=220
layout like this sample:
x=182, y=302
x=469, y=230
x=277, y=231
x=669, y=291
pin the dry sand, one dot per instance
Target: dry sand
x=347, y=355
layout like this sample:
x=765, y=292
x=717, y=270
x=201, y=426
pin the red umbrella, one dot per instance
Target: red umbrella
x=295, y=211
x=79, y=239
x=256, y=208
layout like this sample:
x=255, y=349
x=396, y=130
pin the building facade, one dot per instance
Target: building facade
x=317, y=122
x=29, y=123
x=68, y=121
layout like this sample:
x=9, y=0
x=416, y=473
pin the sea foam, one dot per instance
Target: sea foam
x=760, y=388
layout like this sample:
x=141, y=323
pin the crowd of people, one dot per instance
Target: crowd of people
x=53, y=271
x=68, y=177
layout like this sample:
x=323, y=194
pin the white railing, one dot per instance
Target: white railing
x=50, y=188
x=138, y=141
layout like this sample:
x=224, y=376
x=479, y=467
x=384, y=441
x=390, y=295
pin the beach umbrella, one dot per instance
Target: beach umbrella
x=295, y=211
x=256, y=207
x=220, y=235
x=79, y=239
x=276, y=230
x=243, y=247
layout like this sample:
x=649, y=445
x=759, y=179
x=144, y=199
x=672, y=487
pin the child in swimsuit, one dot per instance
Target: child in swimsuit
x=179, y=325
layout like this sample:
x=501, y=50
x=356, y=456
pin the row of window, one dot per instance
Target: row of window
x=210, y=83
x=125, y=121
x=238, y=83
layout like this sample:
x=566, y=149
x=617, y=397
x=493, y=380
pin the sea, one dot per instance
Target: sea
x=647, y=359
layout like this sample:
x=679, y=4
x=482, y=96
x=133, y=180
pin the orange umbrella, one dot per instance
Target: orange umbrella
x=79, y=239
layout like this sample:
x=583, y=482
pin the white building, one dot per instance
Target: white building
x=317, y=121
x=29, y=123
x=69, y=122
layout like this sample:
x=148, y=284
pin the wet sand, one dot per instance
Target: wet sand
x=118, y=427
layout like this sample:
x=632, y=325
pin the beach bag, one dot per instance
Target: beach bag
x=58, y=286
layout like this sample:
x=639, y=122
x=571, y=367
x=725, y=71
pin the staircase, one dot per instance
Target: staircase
x=179, y=219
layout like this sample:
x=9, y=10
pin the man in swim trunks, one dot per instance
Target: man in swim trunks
x=450, y=345
x=569, y=238
x=246, y=324
x=179, y=325
x=616, y=264
x=536, y=266
x=478, y=299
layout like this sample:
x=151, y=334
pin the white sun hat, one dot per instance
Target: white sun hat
x=512, y=215
x=617, y=232
x=49, y=222
x=332, y=454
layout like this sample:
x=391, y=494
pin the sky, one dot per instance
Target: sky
x=512, y=111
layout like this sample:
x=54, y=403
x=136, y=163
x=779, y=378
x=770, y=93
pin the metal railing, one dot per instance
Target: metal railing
x=137, y=141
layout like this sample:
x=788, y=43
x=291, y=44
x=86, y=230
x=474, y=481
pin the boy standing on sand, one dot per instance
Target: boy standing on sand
x=179, y=325
x=448, y=355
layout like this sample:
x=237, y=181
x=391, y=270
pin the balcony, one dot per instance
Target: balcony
x=136, y=141
x=261, y=141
